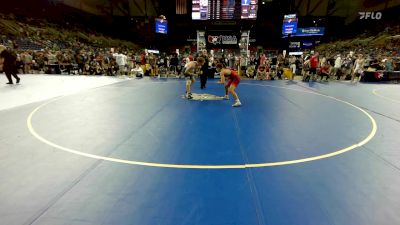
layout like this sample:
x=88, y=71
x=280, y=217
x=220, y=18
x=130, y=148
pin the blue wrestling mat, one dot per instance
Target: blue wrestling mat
x=138, y=152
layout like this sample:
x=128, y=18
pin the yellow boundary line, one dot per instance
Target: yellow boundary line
x=189, y=166
x=375, y=92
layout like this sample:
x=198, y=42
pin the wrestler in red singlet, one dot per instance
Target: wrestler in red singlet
x=233, y=82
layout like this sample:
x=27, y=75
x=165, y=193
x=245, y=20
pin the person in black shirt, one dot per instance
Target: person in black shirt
x=9, y=61
x=174, y=63
x=204, y=70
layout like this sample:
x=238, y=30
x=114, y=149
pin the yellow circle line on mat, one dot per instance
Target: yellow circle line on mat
x=189, y=166
x=375, y=92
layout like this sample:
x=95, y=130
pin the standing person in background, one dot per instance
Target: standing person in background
x=9, y=61
x=174, y=63
x=153, y=63
x=263, y=59
x=358, y=67
x=292, y=65
x=204, y=70
x=27, y=60
x=389, y=65
x=336, y=71
x=79, y=59
x=347, y=66
x=121, y=60
x=231, y=60
x=314, y=62
x=256, y=64
x=143, y=59
x=223, y=60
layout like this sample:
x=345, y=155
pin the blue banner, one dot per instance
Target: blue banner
x=245, y=2
x=308, y=31
x=289, y=27
x=161, y=26
x=308, y=44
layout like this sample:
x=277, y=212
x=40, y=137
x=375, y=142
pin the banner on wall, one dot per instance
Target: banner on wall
x=308, y=31
x=289, y=27
x=161, y=26
x=294, y=44
x=222, y=39
x=307, y=44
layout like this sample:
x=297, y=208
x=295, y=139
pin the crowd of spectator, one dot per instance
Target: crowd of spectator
x=50, y=49
x=339, y=60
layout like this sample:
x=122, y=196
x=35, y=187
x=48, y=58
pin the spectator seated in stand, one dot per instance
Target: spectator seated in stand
x=324, y=72
x=138, y=71
x=262, y=73
x=250, y=71
x=288, y=73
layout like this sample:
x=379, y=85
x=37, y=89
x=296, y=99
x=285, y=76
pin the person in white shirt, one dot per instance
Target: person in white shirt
x=337, y=66
x=138, y=71
x=292, y=63
x=358, y=67
x=121, y=61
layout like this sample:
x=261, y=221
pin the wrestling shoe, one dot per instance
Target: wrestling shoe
x=237, y=103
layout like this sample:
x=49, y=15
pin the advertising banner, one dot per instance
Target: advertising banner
x=161, y=26
x=289, y=26
x=310, y=31
x=307, y=44
x=222, y=39
x=294, y=44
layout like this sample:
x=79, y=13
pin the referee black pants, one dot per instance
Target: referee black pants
x=203, y=80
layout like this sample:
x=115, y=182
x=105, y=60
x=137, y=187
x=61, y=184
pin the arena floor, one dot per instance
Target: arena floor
x=109, y=151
